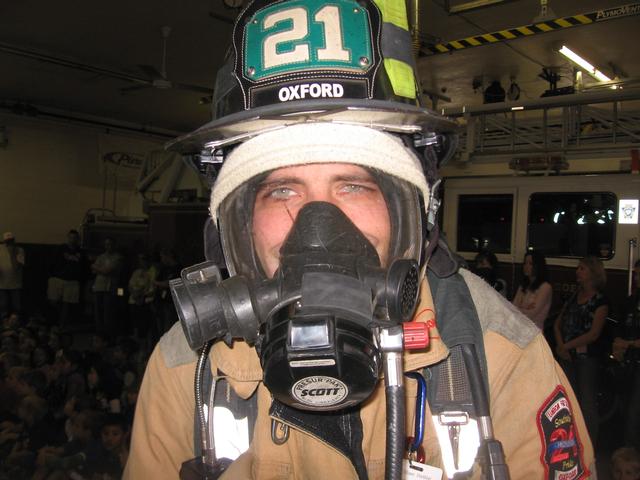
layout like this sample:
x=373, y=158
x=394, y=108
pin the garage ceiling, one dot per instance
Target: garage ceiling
x=119, y=36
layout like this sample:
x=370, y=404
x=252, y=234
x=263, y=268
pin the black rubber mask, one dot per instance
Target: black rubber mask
x=314, y=323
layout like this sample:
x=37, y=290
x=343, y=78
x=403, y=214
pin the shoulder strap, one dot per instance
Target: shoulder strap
x=457, y=387
x=457, y=318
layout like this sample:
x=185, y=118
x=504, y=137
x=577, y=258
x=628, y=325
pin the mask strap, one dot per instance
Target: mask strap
x=433, y=230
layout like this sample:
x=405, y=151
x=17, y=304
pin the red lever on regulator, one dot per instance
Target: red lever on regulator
x=416, y=335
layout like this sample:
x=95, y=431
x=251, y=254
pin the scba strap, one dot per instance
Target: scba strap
x=458, y=386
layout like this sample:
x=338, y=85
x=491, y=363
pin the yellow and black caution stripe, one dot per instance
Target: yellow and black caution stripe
x=533, y=29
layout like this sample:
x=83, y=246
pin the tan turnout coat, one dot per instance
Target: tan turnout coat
x=522, y=376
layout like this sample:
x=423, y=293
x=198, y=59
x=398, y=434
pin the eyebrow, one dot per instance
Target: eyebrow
x=354, y=178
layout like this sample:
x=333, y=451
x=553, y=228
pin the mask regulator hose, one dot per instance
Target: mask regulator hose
x=393, y=341
x=208, y=448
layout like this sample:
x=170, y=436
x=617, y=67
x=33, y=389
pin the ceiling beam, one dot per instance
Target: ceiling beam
x=21, y=109
x=580, y=19
x=584, y=98
x=473, y=5
x=85, y=67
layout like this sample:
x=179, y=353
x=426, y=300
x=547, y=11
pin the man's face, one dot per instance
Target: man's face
x=285, y=191
x=483, y=263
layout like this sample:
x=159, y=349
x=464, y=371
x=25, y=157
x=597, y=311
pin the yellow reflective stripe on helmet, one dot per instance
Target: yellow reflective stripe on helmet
x=402, y=77
x=394, y=11
x=400, y=73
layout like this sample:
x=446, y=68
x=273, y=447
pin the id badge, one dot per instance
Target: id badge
x=419, y=471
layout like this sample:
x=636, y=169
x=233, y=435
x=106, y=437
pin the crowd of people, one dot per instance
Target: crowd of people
x=588, y=334
x=68, y=411
x=70, y=373
x=120, y=294
x=65, y=412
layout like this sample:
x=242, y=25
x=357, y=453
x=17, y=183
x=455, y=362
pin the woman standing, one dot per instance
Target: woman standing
x=533, y=297
x=577, y=330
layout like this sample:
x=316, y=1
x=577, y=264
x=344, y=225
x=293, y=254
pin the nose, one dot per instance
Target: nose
x=323, y=226
x=318, y=194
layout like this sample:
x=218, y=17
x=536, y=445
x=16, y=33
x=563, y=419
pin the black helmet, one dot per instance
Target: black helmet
x=295, y=61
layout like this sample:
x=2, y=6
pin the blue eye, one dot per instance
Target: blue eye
x=281, y=193
x=352, y=188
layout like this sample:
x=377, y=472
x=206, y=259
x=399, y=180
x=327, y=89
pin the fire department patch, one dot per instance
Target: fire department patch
x=562, y=451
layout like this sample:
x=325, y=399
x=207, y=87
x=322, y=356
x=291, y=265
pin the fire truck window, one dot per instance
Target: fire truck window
x=484, y=222
x=572, y=224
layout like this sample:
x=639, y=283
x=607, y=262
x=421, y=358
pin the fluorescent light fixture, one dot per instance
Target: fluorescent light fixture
x=582, y=63
x=517, y=108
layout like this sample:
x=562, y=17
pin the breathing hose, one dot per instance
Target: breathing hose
x=208, y=452
x=394, y=394
x=395, y=432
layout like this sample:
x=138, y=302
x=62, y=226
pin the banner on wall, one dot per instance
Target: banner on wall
x=146, y=171
x=122, y=159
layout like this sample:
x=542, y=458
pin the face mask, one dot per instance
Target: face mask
x=316, y=323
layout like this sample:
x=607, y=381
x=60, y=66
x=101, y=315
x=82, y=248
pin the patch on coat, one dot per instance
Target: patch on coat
x=562, y=451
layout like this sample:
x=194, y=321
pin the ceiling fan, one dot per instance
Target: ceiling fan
x=159, y=79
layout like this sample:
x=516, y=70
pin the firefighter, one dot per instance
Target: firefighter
x=328, y=189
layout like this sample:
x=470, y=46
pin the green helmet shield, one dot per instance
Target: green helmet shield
x=304, y=35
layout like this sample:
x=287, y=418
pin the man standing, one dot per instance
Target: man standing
x=11, y=267
x=164, y=311
x=626, y=349
x=63, y=289
x=107, y=268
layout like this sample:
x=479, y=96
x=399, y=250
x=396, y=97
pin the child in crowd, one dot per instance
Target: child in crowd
x=70, y=458
x=107, y=460
x=129, y=400
x=57, y=404
x=104, y=386
x=625, y=464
